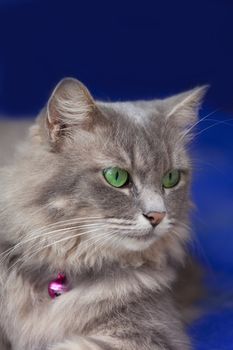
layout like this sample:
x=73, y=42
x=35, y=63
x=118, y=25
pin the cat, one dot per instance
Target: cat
x=98, y=192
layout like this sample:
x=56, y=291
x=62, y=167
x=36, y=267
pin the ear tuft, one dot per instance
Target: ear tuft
x=69, y=105
x=184, y=107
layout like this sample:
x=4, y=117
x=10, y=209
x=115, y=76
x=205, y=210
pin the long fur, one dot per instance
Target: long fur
x=58, y=214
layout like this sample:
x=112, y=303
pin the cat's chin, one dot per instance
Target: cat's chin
x=138, y=243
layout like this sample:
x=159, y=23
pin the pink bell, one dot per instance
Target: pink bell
x=58, y=286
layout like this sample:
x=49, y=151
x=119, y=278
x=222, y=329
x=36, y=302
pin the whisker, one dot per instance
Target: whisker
x=31, y=236
x=200, y=164
x=195, y=124
x=42, y=234
x=57, y=224
x=209, y=127
x=96, y=241
x=41, y=229
x=49, y=245
x=225, y=121
x=113, y=238
x=98, y=227
x=75, y=220
x=67, y=221
x=55, y=232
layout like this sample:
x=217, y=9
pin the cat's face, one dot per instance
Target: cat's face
x=123, y=169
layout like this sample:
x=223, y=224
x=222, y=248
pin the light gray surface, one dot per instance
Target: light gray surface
x=11, y=133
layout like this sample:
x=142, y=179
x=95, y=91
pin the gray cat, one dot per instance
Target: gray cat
x=99, y=192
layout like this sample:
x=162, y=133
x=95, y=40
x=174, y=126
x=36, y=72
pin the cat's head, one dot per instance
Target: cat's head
x=102, y=178
x=121, y=172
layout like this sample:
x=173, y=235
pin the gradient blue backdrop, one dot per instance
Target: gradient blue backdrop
x=141, y=49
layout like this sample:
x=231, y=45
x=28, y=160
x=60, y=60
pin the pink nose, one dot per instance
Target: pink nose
x=155, y=217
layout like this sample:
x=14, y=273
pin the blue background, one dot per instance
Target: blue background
x=129, y=50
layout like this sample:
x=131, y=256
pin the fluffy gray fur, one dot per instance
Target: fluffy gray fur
x=58, y=214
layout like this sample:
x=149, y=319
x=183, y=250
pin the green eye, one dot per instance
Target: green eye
x=116, y=177
x=171, y=179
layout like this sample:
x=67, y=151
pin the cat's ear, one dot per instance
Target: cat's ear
x=183, y=108
x=70, y=105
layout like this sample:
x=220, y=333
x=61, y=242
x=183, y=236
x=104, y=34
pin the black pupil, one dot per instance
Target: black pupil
x=117, y=175
x=170, y=176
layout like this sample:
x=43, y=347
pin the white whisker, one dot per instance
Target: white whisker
x=195, y=124
x=209, y=127
x=49, y=245
x=66, y=222
x=54, y=232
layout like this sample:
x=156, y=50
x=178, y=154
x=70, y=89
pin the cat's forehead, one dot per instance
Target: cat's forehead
x=135, y=124
x=134, y=135
x=136, y=112
x=137, y=135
